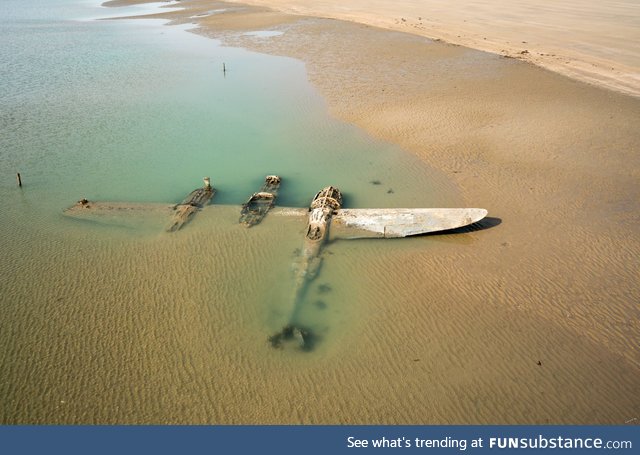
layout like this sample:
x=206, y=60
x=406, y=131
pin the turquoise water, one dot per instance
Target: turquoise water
x=105, y=325
x=132, y=110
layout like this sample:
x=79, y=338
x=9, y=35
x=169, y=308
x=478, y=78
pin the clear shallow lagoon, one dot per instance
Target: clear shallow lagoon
x=106, y=325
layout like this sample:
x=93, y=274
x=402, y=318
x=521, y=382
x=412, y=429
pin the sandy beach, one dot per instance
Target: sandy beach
x=536, y=317
x=595, y=43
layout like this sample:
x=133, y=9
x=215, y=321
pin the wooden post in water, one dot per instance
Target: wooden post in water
x=224, y=69
x=19, y=179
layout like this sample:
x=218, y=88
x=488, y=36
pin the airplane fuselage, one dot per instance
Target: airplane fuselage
x=321, y=210
x=325, y=203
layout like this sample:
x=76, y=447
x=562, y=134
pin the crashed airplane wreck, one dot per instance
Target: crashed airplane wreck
x=326, y=221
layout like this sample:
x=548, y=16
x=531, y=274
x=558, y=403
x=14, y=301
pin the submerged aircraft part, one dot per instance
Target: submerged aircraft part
x=193, y=203
x=326, y=220
x=322, y=208
x=256, y=208
x=113, y=212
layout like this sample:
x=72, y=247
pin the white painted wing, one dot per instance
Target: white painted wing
x=390, y=223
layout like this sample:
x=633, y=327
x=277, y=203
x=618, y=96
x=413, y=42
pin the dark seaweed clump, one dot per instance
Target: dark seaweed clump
x=305, y=338
x=324, y=289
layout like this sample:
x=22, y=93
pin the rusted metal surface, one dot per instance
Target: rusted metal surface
x=114, y=212
x=193, y=203
x=323, y=206
x=97, y=207
x=256, y=208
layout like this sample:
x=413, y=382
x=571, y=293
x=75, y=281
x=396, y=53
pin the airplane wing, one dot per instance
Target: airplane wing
x=127, y=214
x=93, y=209
x=290, y=211
x=133, y=214
x=345, y=224
x=390, y=223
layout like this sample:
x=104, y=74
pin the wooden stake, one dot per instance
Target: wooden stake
x=224, y=68
x=19, y=179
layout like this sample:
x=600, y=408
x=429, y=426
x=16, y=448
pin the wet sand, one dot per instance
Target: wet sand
x=593, y=42
x=534, y=319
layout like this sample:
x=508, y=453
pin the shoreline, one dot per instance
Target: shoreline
x=596, y=52
x=553, y=158
x=596, y=44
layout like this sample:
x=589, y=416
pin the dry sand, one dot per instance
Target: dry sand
x=596, y=42
x=459, y=331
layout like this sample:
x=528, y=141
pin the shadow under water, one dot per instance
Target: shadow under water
x=485, y=223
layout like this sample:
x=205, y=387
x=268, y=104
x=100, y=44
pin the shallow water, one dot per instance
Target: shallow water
x=105, y=324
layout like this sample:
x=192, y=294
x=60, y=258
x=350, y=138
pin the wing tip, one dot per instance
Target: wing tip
x=480, y=214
